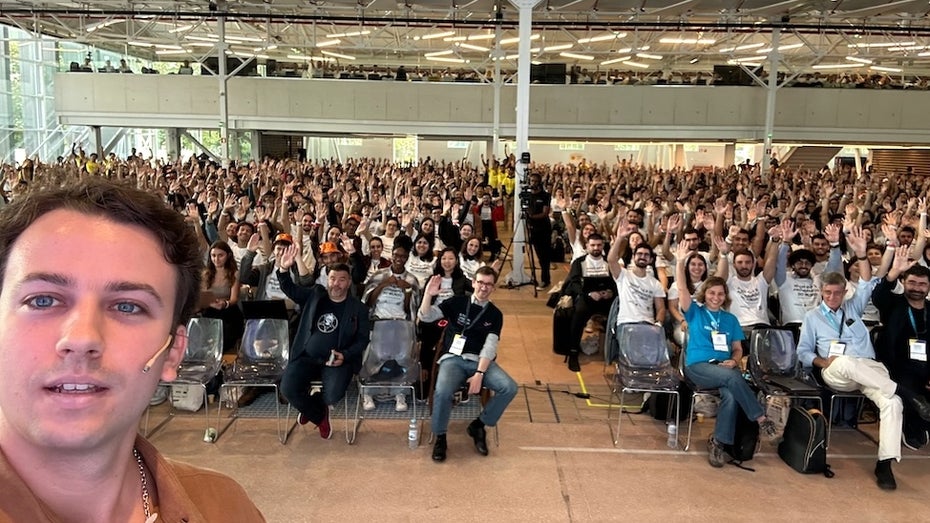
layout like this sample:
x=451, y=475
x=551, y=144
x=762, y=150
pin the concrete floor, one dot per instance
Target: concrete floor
x=556, y=460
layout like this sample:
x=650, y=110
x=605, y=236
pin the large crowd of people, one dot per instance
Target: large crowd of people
x=710, y=254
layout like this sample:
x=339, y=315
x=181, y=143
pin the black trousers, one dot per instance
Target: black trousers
x=541, y=239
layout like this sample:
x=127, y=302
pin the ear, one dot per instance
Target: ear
x=175, y=354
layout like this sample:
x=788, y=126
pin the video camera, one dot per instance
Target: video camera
x=526, y=194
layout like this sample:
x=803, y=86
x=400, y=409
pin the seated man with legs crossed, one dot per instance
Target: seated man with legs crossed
x=469, y=348
x=835, y=341
x=333, y=332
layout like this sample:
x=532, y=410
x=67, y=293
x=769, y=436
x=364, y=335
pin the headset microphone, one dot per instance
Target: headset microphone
x=151, y=362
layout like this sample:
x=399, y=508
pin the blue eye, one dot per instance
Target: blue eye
x=126, y=307
x=42, y=302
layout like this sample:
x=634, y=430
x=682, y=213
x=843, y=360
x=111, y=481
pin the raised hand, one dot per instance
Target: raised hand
x=433, y=286
x=254, y=240
x=856, y=241
x=722, y=246
x=347, y=244
x=832, y=233
x=287, y=258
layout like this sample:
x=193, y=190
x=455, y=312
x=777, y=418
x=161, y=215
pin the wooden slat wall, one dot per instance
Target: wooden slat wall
x=889, y=161
x=281, y=146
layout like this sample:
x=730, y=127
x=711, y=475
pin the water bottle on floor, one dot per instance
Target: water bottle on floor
x=673, y=435
x=413, y=435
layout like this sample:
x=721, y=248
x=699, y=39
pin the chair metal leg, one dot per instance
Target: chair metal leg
x=690, y=422
x=619, y=417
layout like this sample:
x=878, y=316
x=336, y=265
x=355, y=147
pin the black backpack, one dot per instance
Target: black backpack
x=745, y=441
x=804, y=445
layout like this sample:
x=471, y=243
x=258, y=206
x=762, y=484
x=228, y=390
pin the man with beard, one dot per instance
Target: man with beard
x=836, y=343
x=641, y=296
x=749, y=291
x=820, y=245
x=903, y=341
x=799, y=289
x=590, y=284
x=333, y=334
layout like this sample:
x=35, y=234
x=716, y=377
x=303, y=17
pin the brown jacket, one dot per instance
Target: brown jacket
x=185, y=494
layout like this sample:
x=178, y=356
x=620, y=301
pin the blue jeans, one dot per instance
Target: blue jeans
x=296, y=381
x=453, y=371
x=733, y=391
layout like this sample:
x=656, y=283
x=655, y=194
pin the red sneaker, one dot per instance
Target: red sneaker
x=326, y=431
x=302, y=418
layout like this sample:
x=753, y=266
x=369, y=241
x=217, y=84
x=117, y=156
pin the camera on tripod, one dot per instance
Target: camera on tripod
x=526, y=194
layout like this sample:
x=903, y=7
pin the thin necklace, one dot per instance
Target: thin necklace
x=146, y=508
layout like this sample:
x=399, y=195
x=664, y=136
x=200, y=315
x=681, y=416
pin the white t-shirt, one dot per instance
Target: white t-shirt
x=390, y=303
x=797, y=296
x=637, y=297
x=421, y=269
x=749, y=300
x=239, y=252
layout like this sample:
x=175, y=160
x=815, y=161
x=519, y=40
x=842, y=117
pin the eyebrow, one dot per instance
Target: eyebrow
x=113, y=286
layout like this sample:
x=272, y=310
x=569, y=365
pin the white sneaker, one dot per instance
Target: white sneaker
x=400, y=403
x=368, y=403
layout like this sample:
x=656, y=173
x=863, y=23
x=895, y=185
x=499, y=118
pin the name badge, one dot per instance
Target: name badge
x=458, y=344
x=837, y=348
x=918, y=349
x=719, y=340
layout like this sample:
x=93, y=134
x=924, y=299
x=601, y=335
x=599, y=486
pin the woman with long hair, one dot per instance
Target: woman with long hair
x=422, y=260
x=695, y=276
x=712, y=358
x=221, y=280
x=454, y=283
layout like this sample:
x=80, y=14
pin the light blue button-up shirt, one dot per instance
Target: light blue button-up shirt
x=823, y=326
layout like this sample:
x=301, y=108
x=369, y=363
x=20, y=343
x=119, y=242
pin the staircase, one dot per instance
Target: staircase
x=809, y=157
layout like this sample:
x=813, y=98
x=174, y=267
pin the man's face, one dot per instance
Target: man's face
x=484, y=286
x=338, y=285
x=231, y=230
x=634, y=218
x=802, y=268
x=744, y=264
x=916, y=287
x=642, y=258
x=692, y=240
x=833, y=295
x=243, y=233
x=905, y=237
x=595, y=248
x=306, y=223
x=739, y=241
x=875, y=256
x=330, y=258
x=820, y=246
x=76, y=331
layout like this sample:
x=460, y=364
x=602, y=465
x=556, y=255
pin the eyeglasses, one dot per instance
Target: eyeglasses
x=484, y=283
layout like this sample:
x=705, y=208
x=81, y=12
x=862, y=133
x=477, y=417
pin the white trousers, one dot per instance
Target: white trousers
x=848, y=373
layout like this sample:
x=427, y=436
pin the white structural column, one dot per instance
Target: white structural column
x=770, y=103
x=223, y=99
x=498, y=55
x=518, y=275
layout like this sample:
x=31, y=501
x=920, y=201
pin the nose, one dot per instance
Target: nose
x=82, y=331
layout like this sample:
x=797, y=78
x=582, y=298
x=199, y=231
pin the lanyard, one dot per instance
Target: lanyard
x=831, y=318
x=910, y=315
x=714, y=323
x=471, y=322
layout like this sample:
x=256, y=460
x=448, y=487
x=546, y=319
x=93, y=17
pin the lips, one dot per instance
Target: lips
x=75, y=388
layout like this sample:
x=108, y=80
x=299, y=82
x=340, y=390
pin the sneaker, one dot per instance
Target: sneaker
x=767, y=431
x=716, y=456
x=326, y=431
x=400, y=403
x=316, y=389
x=302, y=418
x=368, y=403
x=883, y=475
x=914, y=441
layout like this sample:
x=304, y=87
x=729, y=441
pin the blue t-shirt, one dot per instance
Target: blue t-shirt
x=701, y=323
